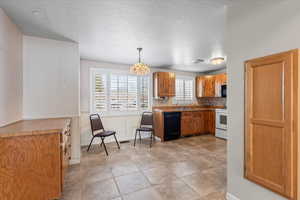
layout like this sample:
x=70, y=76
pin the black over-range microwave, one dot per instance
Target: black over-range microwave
x=224, y=90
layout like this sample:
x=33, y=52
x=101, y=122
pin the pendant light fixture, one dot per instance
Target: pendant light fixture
x=140, y=68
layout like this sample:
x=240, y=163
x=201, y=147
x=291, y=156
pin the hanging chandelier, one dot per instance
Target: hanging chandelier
x=140, y=68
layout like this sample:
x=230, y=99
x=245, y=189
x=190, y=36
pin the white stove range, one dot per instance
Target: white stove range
x=221, y=123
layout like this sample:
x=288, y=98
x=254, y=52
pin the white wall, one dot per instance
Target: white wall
x=50, y=77
x=253, y=31
x=51, y=83
x=124, y=125
x=10, y=71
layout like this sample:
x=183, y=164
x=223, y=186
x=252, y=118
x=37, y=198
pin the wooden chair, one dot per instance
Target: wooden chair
x=99, y=131
x=146, y=121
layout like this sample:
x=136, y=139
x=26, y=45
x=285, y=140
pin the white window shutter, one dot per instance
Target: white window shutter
x=100, y=93
x=179, y=90
x=188, y=90
x=123, y=92
x=184, y=91
x=132, y=93
x=116, y=92
x=144, y=93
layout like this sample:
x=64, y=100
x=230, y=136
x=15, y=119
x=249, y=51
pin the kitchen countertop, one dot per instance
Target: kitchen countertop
x=34, y=127
x=185, y=108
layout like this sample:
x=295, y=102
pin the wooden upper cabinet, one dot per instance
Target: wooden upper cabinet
x=221, y=79
x=205, y=86
x=209, y=86
x=271, y=100
x=164, y=84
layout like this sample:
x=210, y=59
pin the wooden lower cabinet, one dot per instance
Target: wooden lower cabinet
x=192, y=122
x=210, y=122
x=33, y=164
x=272, y=121
x=197, y=122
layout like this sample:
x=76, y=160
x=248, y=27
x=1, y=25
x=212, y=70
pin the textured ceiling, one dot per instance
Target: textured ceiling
x=173, y=33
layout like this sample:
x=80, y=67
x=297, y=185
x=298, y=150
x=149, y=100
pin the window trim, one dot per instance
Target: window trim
x=108, y=111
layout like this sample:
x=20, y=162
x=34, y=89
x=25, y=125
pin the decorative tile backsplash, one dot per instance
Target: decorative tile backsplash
x=163, y=102
x=209, y=101
x=212, y=101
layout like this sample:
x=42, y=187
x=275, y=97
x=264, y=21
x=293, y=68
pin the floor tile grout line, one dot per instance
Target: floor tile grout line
x=190, y=187
x=141, y=172
x=115, y=181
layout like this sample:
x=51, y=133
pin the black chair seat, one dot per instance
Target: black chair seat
x=105, y=133
x=144, y=129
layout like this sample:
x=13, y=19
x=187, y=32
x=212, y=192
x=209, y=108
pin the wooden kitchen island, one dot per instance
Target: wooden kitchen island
x=195, y=120
x=34, y=155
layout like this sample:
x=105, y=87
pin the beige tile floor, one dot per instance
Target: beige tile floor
x=192, y=168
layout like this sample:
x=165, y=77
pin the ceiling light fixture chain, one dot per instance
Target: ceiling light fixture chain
x=139, y=49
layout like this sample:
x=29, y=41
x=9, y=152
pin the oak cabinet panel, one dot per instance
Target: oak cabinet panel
x=271, y=157
x=221, y=79
x=32, y=166
x=205, y=86
x=210, y=122
x=163, y=84
x=187, y=124
x=198, y=122
x=209, y=86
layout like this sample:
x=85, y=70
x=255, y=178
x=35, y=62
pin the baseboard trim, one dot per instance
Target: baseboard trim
x=231, y=197
x=74, y=161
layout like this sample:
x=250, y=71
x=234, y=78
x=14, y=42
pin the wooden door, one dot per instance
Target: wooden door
x=171, y=85
x=199, y=86
x=202, y=122
x=220, y=79
x=160, y=82
x=210, y=122
x=205, y=86
x=269, y=151
x=164, y=84
x=195, y=122
x=224, y=79
x=209, y=86
x=187, y=123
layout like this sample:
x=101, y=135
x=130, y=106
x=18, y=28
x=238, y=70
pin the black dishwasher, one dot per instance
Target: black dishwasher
x=172, y=125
